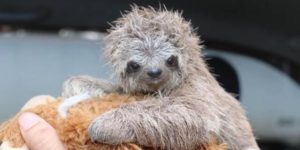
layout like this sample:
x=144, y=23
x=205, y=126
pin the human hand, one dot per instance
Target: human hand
x=38, y=134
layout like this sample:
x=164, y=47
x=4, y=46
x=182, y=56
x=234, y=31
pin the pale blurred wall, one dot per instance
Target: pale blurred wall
x=38, y=64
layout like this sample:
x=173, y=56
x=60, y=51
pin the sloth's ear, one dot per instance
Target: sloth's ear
x=173, y=38
x=190, y=42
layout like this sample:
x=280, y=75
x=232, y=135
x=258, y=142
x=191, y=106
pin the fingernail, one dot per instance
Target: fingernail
x=28, y=120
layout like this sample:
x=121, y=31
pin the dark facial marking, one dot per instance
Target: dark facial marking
x=172, y=61
x=132, y=66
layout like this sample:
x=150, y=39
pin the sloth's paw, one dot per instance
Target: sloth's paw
x=111, y=128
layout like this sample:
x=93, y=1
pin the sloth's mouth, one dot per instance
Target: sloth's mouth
x=156, y=84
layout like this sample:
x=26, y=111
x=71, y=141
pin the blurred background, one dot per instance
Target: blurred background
x=253, y=47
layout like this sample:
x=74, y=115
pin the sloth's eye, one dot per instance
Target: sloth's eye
x=172, y=61
x=132, y=66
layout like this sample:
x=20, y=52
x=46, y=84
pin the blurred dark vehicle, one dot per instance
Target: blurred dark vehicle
x=253, y=47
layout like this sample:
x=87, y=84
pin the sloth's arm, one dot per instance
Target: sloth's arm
x=87, y=85
x=165, y=124
x=80, y=88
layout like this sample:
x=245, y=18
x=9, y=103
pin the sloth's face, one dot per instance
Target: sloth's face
x=152, y=74
x=149, y=64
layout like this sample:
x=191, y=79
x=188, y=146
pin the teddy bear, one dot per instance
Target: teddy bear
x=72, y=128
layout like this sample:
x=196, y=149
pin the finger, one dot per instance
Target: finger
x=38, y=134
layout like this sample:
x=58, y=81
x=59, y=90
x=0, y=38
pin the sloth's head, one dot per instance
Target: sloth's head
x=150, y=50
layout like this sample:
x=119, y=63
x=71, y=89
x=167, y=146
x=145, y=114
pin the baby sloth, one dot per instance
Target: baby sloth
x=157, y=52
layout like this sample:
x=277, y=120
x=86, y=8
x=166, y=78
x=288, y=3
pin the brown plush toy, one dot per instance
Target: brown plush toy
x=72, y=129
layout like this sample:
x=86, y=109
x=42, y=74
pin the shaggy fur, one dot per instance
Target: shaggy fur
x=187, y=107
x=73, y=130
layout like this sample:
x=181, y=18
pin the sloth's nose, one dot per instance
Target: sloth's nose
x=154, y=73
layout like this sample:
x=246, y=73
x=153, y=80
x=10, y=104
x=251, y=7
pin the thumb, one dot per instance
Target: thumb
x=38, y=134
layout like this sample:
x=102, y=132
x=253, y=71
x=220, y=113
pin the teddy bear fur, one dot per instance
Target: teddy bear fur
x=72, y=130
